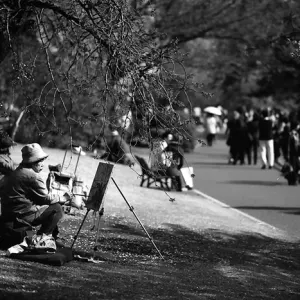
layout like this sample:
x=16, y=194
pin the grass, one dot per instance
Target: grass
x=209, y=252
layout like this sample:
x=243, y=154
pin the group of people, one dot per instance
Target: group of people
x=258, y=134
x=26, y=202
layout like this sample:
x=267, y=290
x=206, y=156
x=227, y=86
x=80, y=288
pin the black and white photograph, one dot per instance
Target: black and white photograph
x=150, y=149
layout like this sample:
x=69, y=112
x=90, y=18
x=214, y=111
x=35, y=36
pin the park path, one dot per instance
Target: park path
x=262, y=194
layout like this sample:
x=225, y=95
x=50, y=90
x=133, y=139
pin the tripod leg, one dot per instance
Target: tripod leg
x=101, y=212
x=76, y=236
x=131, y=209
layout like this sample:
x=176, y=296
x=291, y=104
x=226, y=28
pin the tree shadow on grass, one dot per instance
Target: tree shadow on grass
x=208, y=264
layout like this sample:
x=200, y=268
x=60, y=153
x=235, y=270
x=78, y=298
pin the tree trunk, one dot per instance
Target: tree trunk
x=17, y=124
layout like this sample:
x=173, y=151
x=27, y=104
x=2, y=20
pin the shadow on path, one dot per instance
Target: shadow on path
x=254, y=182
x=218, y=164
x=286, y=210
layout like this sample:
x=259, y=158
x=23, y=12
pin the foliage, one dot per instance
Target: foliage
x=70, y=62
x=229, y=51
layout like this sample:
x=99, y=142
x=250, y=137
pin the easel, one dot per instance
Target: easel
x=95, y=202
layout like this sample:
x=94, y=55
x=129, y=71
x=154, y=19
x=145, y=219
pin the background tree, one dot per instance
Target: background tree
x=67, y=63
x=240, y=49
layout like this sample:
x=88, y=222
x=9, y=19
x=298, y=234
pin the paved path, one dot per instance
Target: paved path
x=259, y=193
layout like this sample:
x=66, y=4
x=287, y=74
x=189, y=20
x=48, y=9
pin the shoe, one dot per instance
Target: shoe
x=188, y=187
x=263, y=167
x=59, y=243
x=270, y=167
x=184, y=189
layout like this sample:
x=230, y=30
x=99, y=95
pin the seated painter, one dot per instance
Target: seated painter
x=25, y=197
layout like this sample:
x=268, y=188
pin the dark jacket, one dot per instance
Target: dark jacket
x=22, y=191
x=253, y=129
x=6, y=165
x=265, y=130
x=175, y=156
x=117, y=149
x=238, y=133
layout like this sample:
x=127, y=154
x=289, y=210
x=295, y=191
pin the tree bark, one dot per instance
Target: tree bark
x=17, y=124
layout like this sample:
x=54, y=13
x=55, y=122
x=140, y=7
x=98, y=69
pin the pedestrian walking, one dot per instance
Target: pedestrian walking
x=237, y=137
x=211, y=127
x=266, y=140
x=253, y=137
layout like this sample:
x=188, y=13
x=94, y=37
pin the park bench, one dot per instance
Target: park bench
x=153, y=177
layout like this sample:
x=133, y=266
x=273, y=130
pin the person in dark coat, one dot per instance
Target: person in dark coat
x=25, y=197
x=175, y=160
x=237, y=137
x=117, y=150
x=7, y=165
x=253, y=135
x=172, y=161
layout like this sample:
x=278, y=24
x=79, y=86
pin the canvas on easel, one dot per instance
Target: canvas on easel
x=99, y=186
x=95, y=201
x=96, y=195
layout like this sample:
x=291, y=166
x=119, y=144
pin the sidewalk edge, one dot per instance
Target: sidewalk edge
x=222, y=204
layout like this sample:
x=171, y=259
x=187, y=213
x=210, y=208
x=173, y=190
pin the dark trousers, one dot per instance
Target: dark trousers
x=210, y=139
x=277, y=149
x=237, y=153
x=252, y=149
x=48, y=219
x=284, y=145
x=176, y=175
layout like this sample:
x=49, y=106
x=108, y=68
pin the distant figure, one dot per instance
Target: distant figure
x=211, y=127
x=266, y=140
x=284, y=137
x=173, y=160
x=237, y=137
x=294, y=153
x=253, y=134
x=118, y=151
x=7, y=165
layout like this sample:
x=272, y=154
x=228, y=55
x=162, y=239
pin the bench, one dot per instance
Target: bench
x=151, y=177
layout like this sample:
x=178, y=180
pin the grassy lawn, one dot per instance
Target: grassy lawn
x=209, y=253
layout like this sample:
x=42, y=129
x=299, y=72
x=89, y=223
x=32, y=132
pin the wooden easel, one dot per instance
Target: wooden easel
x=95, y=201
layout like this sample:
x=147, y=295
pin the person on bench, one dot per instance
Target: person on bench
x=25, y=197
x=169, y=159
